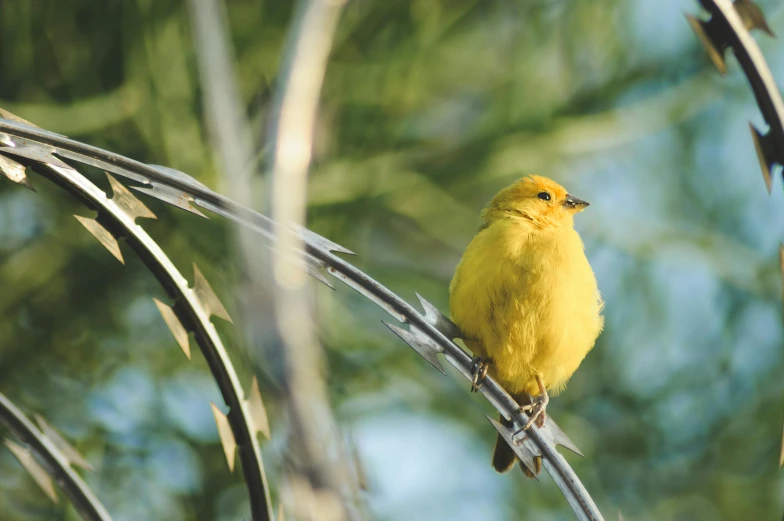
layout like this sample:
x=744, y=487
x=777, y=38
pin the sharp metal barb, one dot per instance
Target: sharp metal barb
x=316, y=274
x=317, y=241
x=752, y=16
x=71, y=454
x=175, y=326
x=422, y=344
x=102, y=234
x=553, y=433
x=6, y=140
x=41, y=154
x=525, y=449
x=178, y=174
x=713, y=41
x=123, y=198
x=257, y=411
x=226, y=435
x=36, y=471
x=170, y=196
x=438, y=320
x=209, y=300
x=314, y=267
x=14, y=171
x=13, y=117
x=765, y=154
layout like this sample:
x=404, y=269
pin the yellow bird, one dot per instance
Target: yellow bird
x=526, y=298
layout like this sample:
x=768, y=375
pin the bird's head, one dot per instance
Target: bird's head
x=537, y=199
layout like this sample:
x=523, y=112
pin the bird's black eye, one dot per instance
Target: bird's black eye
x=544, y=196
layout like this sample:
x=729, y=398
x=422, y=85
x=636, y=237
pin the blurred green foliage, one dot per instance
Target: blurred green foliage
x=429, y=107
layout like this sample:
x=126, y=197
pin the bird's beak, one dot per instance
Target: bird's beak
x=574, y=204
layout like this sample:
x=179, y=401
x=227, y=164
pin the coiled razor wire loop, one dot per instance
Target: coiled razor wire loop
x=191, y=311
x=728, y=28
x=429, y=333
x=49, y=459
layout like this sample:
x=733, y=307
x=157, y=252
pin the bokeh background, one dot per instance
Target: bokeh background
x=429, y=107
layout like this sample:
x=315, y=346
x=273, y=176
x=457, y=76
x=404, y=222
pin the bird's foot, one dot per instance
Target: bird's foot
x=479, y=367
x=537, y=408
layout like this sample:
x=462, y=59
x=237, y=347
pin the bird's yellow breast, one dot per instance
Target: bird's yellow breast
x=528, y=300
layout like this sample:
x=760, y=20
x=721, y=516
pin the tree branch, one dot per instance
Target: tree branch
x=323, y=478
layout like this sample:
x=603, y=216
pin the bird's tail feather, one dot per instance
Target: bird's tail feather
x=504, y=457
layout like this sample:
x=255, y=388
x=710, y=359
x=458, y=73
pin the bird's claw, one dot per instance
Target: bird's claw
x=536, y=409
x=479, y=367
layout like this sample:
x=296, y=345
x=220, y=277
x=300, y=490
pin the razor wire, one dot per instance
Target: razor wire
x=728, y=27
x=429, y=333
x=50, y=459
x=190, y=312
